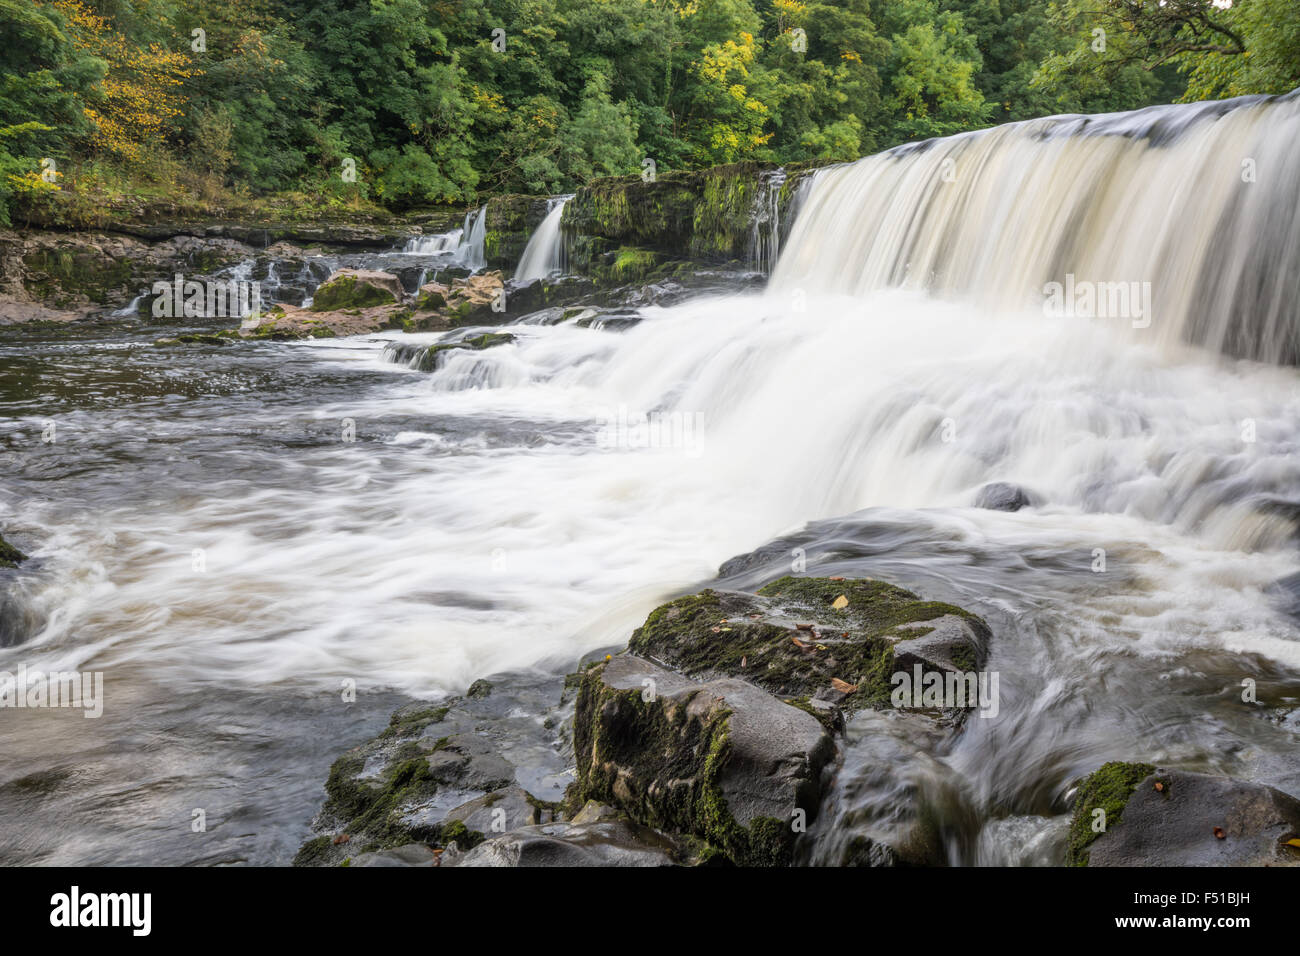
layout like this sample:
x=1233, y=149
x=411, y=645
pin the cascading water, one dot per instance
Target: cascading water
x=899, y=360
x=435, y=245
x=765, y=233
x=544, y=254
x=470, y=251
x=1181, y=219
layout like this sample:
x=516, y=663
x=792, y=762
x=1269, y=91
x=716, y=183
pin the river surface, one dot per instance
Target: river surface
x=239, y=537
x=488, y=517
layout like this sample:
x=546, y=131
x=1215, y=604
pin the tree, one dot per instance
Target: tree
x=601, y=139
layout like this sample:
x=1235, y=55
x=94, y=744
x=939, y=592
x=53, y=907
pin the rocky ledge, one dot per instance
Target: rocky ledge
x=710, y=740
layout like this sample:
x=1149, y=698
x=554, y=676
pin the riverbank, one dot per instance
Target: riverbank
x=617, y=231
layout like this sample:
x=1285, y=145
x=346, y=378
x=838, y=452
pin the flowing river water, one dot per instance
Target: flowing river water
x=233, y=535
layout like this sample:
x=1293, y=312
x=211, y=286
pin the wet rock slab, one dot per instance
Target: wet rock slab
x=437, y=771
x=1158, y=817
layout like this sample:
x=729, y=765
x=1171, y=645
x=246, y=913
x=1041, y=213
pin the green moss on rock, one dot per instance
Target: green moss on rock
x=707, y=213
x=428, y=360
x=755, y=637
x=347, y=292
x=1109, y=789
x=678, y=754
x=10, y=557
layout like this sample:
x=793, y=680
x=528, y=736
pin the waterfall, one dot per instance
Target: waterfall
x=433, y=245
x=1180, y=221
x=544, y=254
x=765, y=232
x=131, y=308
x=469, y=251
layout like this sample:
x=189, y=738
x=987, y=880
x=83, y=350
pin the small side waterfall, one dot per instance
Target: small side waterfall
x=469, y=251
x=1178, y=221
x=434, y=245
x=544, y=254
x=765, y=233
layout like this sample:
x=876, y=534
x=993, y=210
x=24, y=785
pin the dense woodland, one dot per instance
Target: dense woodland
x=407, y=103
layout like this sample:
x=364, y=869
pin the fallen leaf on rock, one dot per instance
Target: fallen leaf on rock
x=744, y=661
x=843, y=686
x=1293, y=842
x=834, y=579
x=342, y=838
x=1219, y=834
x=1159, y=786
x=804, y=627
x=840, y=603
x=800, y=644
x=715, y=629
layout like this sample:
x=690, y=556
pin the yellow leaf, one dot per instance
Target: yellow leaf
x=840, y=603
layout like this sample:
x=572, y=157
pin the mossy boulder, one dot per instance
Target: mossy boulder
x=428, y=358
x=1156, y=817
x=356, y=289
x=629, y=264
x=10, y=557
x=816, y=642
x=722, y=761
x=477, y=299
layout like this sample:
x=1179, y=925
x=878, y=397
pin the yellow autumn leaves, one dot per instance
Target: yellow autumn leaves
x=142, y=87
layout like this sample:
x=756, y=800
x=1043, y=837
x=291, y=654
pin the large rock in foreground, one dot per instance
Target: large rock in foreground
x=723, y=761
x=1156, y=817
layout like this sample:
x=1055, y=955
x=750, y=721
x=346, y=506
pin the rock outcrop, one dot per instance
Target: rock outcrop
x=1128, y=814
x=493, y=758
x=1003, y=496
x=625, y=228
x=80, y=273
x=711, y=740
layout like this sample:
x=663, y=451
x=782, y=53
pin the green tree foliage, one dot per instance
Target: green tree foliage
x=441, y=101
x=1267, y=34
x=43, y=87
